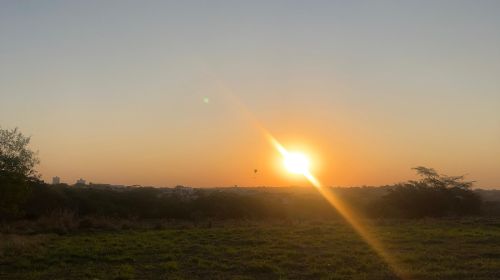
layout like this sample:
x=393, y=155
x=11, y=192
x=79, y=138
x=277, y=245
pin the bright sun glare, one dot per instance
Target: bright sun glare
x=296, y=163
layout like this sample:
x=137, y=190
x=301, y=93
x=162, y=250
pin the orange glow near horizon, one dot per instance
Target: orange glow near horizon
x=346, y=212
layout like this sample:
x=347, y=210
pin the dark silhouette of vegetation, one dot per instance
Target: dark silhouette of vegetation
x=162, y=203
x=17, y=170
x=415, y=199
x=434, y=195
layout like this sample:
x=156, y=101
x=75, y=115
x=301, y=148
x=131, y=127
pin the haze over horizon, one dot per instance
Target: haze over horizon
x=150, y=93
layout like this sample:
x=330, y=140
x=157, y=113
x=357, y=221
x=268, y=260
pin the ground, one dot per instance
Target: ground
x=428, y=249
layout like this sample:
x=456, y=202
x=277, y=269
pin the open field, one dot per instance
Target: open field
x=431, y=249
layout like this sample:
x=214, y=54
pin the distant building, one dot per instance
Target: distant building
x=183, y=191
x=80, y=182
x=56, y=180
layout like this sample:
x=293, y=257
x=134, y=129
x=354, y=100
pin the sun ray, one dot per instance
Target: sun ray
x=345, y=211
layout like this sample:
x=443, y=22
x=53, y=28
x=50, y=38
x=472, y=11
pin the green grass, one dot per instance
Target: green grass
x=431, y=249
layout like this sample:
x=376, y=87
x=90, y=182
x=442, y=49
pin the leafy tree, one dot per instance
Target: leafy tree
x=15, y=155
x=17, y=169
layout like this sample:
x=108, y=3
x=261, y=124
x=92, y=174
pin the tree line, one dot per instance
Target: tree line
x=24, y=196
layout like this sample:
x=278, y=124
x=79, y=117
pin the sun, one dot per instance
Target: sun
x=296, y=162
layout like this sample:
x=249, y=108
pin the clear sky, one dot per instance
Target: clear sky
x=151, y=92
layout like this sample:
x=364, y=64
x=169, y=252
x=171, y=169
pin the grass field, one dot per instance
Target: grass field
x=430, y=249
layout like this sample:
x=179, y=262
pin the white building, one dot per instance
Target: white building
x=56, y=180
x=80, y=182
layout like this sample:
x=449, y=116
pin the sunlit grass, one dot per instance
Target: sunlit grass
x=323, y=250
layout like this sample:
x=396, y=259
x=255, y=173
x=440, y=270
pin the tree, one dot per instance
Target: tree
x=15, y=155
x=433, y=195
x=17, y=169
x=432, y=179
